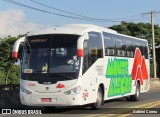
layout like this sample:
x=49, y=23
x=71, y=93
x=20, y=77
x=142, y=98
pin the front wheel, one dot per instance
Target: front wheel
x=99, y=100
x=136, y=96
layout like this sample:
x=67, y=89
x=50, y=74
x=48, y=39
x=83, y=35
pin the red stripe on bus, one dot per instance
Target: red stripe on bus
x=15, y=55
x=80, y=52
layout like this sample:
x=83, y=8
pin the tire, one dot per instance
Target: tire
x=127, y=98
x=136, y=96
x=98, y=104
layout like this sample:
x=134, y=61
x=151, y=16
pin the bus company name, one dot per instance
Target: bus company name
x=31, y=84
x=120, y=79
x=38, y=40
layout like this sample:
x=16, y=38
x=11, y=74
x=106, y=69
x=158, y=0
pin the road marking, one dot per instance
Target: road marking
x=95, y=115
x=153, y=105
x=146, y=107
x=139, y=106
x=149, y=105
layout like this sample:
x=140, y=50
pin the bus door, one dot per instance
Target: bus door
x=92, y=64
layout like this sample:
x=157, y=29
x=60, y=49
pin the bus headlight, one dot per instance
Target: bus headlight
x=75, y=90
x=22, y=90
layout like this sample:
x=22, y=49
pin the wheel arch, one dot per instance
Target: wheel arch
x=138, y=83
x=101, y=85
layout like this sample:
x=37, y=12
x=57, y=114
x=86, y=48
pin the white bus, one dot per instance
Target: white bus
x=81, y=64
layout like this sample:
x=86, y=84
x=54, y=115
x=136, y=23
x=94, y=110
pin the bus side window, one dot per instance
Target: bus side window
x=145, y=50
x=85, y=57
x=138, y=44
x=120, y=46
x=129, y=48
x=109, y=44
x=95, y=47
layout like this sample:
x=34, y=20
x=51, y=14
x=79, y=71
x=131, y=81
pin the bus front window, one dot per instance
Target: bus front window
x=50, y=54
x=64, y=54
x=63, y=61
x=36, y=53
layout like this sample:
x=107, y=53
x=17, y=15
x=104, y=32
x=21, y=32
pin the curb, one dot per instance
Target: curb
x=154, y=82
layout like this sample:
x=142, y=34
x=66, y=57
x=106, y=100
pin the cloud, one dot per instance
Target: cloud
x=12, y=22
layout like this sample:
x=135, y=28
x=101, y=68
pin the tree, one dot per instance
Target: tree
x=141, y=30
x=9, y=72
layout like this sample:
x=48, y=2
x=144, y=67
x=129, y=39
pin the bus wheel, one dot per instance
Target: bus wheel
x=136, y=96
x=98, y=104
x=127, y=98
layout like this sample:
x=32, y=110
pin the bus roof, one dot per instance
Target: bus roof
x=78, y=29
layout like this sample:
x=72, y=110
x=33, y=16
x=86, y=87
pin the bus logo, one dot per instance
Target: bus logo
x=47, y=88
x=60, y=86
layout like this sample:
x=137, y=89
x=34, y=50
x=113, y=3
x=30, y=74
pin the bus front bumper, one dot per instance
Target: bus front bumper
x=49, y=99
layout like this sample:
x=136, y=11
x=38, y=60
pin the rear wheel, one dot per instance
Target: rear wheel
x=127, y=98
x=98, y=104
x=136, y=96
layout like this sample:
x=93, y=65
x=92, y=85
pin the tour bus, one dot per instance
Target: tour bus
x=81, y=64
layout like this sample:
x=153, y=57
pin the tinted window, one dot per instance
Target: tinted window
x=129, y=48
x=117, y=45
x=50, y=58
x=95, y=47
x=109, y=44
x=63, y=56
x=120, y=46
x=138, y=43
x=50, y=54
x=86, y=56
x=145, y=49
x=36, y=48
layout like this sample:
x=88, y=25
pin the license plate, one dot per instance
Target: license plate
x=46, y=99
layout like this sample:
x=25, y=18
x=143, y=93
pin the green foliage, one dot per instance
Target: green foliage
x=151, y=70
x=2, y=76
x=14, y=76
x=9, y=72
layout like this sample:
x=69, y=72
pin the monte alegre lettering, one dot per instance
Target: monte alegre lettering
x=120, y=79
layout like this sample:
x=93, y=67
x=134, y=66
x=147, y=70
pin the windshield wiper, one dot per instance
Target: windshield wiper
x=37, y=71
x=59, y=75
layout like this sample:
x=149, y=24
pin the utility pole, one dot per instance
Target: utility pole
x=152, y=13
x=153, y=46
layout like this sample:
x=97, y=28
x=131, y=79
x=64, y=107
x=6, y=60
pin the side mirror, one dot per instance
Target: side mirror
x=80, y=51
x=16, y=47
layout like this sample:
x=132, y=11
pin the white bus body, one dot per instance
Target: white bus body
x=107, y=65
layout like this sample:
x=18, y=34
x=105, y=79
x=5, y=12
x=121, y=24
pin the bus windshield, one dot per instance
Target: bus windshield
x=51, y=54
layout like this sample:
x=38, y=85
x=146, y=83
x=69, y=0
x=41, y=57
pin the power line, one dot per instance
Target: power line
x=61, y=10
x=37, y=9
x=79, y=18
x=146, y=18
x=93, y=18
x=81, y=15
x=135, y=19
x=157, y=18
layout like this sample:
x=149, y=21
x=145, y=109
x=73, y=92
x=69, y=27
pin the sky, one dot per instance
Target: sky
x=17, y=19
